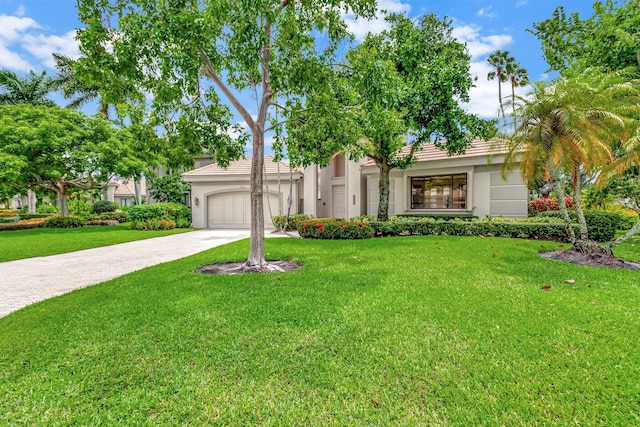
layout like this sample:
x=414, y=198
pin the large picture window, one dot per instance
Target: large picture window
x=439, y=192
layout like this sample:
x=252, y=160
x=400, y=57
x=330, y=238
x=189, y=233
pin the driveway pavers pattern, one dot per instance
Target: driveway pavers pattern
x=26, y=281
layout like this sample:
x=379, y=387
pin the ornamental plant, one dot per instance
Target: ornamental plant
x=334, y=228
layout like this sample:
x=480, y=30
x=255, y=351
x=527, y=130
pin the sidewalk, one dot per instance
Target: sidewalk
x=26, y=281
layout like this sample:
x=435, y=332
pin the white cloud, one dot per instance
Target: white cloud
x=21, y=11
x=522, y=3
x=480, y=45
x=360, y=27
x=487, y=12
x=42, y=47
x=12, y=27
x=12, y=60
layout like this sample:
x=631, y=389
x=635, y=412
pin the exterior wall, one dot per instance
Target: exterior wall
x=201, y=190
x=487, y=192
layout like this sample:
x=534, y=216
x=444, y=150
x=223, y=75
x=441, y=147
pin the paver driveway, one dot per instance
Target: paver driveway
x=26, y=281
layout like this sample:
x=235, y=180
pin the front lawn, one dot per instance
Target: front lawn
x=391, y=331
x=19, y=244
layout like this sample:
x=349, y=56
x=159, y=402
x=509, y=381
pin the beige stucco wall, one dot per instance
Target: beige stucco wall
x=201, y=190
x=487, y=192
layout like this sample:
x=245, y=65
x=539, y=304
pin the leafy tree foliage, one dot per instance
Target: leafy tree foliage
x=169, y=188
x=501, y=61
x=608, y=39
x=31, y=89
x=205, y=51
x=73, y=88
x=59, y=149
x=564, y=131
x=399, y=88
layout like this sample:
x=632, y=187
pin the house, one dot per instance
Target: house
x=461, y=185
x=220, y=198
x=122, y=191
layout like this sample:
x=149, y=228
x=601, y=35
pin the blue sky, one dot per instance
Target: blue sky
x=31, y=30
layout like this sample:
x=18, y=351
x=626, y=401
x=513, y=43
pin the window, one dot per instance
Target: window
x=439, y=192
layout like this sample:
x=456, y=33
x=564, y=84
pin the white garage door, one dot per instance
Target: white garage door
x=233, y=210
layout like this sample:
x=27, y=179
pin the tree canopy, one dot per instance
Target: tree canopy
x=400, y=88
x=31, y=89
x=609, y=38
x=58, y=149
x=192, y=55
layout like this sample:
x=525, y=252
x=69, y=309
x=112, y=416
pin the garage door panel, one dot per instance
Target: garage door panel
x=233, y=210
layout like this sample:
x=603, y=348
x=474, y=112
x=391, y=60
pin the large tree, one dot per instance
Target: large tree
x=60, y=149
x=263, y=47
x=518, y=76
x=609, y=38
x=567, y=130
x=399, y=88
x=501, y=61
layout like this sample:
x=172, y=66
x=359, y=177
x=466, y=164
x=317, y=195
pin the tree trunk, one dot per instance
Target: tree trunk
x=63, y=202
x=577, y=207
x=256, y=249
x=513, y=105
x=137, y=191
x=504, y=119
x=32, y=201
x=383, y=186
x=557, y=185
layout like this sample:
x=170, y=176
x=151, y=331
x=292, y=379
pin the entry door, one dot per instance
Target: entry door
x=338, y=201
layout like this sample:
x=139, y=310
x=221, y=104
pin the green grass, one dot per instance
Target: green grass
x=34, y=242
x=393, y=331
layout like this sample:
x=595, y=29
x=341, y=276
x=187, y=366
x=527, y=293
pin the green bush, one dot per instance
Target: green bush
x=431, y=216
x=102, y=206
x=183, y=223
x=160, y=211
x=101, y=222
x=601, y=226
x=556, y=214
x=43, y=208
x=333, y=228
x=626, y=217
x=281, y=223
x=154, y=224
x=116, y=216
x=546, y=229
x=62, y=222
x=18, y=226
x=34, y=216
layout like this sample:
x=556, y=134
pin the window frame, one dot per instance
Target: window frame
x=450, y=205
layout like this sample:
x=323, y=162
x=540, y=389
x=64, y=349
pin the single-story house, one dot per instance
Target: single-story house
x=122, y=191
x=462, y=185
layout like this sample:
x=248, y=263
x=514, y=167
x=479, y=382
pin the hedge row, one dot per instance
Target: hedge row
x=174, y=212
x=333, y=228
x=284, y=223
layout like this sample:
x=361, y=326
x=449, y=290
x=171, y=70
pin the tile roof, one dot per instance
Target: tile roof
x=478, y=148
x=240, y=167
x=124, y=187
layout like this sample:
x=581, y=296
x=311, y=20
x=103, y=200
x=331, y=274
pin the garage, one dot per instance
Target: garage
x=220, y=198
x=233, y=209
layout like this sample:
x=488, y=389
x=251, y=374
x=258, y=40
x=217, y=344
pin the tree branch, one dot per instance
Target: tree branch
x=211, y=72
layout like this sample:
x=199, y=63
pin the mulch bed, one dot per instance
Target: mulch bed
x=592, y=260
x=241, y=268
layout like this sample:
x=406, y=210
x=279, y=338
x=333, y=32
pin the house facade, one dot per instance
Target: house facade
x=122, y=191
x=470, y=184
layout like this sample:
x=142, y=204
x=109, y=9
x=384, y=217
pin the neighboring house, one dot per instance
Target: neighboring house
x=220, y=198
x=461, y=185
x=122, y=191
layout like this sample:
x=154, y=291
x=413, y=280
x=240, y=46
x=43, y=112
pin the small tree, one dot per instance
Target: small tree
x=169, y=188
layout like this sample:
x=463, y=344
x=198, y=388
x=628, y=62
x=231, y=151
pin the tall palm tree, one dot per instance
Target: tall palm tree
x=72, y=88
x=518, y=76
x=564, y=131
x=31, y=89
x=500, y=60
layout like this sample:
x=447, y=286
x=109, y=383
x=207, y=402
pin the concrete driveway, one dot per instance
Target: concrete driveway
x=26, y=281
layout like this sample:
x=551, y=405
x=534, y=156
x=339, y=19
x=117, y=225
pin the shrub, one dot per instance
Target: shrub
x=556, y=214
x=626, y=217
x=101, y=222
x=432, y=216
x=183, y=223
x=102, y=206
x=9, y=219
x=363, y=218
x=19, y=226
x=545, y=229
x=281, y=223
x=547, y=204
x=43, y=208
x=62, y=222
x=333, y=228
x=8, y=212
x=116, y=216
x=160, y=211
x=602, y=226
x=154, y=224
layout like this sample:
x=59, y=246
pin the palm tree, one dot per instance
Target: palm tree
x=518, y=76
x=500, y=60
x=31, y=89
x=563, y=132
x=71, y=87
